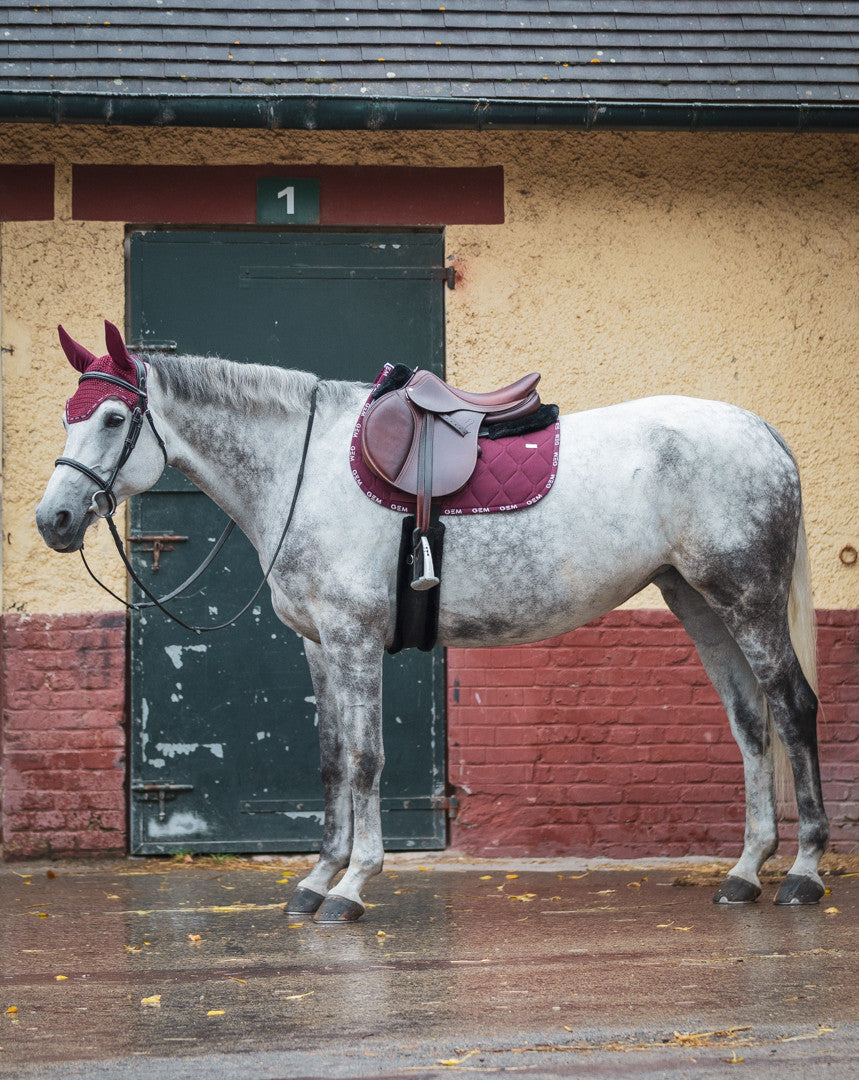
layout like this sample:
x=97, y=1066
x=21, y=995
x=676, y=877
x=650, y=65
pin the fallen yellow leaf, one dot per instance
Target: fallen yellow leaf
x=459, y=1061
x=684, y=927
x=381, y=933
x=216, y=1012
x=424, y=868
x=234, y=979
x=11, y=1010
x=832, y=911
x=61, y=978
x=296, y=925
x=195, y=937
x=298, y=997
x=526, y=898
x=511, y=877
x=154, y=1000
x=486, y=877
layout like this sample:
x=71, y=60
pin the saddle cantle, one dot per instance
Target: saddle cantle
x=422, y=439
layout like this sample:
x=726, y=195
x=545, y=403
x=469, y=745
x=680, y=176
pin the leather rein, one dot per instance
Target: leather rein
x=141, y=411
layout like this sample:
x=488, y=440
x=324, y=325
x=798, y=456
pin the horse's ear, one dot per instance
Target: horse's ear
x=79, y=357
x=116, y=348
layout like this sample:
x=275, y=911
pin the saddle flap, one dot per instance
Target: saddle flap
x=390, y=444
x=454, y=452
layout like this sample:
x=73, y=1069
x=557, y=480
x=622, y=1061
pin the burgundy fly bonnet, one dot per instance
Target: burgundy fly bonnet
x=93, y=391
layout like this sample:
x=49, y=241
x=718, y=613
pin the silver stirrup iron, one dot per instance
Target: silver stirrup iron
x=423, y=571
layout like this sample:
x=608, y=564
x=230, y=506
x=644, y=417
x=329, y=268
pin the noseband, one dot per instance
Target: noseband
x=140, y=411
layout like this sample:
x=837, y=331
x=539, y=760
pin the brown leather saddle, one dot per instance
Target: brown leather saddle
x=422, y=439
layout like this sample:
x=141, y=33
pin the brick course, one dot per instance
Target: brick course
x=63, y=734
x=611, y=741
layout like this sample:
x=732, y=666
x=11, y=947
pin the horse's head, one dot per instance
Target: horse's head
x=110, y=452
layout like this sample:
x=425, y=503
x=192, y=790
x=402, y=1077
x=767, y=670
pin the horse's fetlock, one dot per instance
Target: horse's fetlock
x=814, y=837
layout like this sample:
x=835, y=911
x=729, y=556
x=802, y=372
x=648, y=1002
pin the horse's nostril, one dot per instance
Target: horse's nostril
x=62, y=519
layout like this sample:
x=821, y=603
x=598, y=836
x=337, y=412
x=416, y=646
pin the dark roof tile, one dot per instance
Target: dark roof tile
x=648, y=50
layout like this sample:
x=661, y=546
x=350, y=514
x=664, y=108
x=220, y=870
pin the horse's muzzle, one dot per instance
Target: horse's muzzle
x=61, y=529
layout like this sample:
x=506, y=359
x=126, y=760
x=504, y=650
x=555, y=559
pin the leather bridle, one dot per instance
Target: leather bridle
x=141, y=411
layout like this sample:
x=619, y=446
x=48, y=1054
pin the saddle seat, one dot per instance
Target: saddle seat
x=430, y=392
x=422, y=439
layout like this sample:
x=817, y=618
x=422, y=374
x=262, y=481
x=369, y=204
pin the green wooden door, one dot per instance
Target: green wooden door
x=224, y=753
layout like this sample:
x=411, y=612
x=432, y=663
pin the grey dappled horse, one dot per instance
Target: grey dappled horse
x=700, y=497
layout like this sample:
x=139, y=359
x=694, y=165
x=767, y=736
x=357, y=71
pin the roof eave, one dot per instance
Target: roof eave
x=330, y=113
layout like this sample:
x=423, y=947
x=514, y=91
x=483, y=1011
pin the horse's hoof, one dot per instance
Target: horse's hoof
x=736, y=890
x=798, y=889
x=337, y=909
x=304, y=902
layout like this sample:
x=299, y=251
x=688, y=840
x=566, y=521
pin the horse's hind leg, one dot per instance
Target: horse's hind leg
x=337, y=831
x=746, y=706
x=766, y=643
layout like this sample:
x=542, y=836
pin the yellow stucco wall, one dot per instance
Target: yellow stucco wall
x=717, y=265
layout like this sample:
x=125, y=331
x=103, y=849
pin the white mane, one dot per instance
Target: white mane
x=203, y=380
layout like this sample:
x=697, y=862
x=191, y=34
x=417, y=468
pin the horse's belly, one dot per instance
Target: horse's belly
x=530, y=575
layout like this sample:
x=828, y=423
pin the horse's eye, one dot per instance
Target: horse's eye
x=114, y=419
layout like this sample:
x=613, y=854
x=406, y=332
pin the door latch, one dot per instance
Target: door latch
x=159, y=793
x=160, y=542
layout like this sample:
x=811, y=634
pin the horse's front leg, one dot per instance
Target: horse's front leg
x=337, y=829
x=350, y=667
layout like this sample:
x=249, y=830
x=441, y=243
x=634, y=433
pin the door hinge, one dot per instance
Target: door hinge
x=447, y=274
x=160, y=793
x=448, y=803
x=153, y=346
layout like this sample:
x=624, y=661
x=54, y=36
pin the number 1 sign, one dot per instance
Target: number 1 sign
x=284, y=200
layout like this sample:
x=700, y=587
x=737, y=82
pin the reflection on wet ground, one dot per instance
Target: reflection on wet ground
x=123, y=961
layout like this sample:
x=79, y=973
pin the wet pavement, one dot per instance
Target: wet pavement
x=137, y=969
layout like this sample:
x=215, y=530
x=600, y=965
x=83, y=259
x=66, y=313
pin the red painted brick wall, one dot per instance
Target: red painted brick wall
x=63, y=734
x=611, y=741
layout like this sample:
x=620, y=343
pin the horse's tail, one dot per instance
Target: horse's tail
x=803, y=635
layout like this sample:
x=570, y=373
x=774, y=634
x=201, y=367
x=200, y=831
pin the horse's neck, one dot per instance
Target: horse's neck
x=239, y=456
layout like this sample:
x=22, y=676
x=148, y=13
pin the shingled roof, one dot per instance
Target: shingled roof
x=381, y=63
